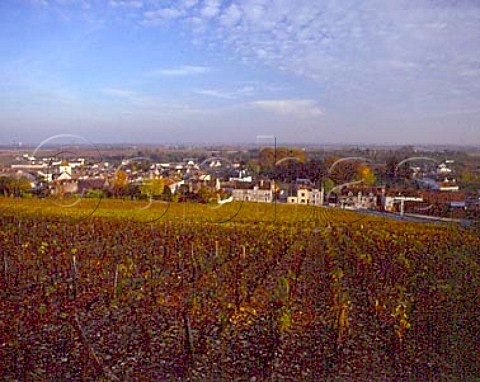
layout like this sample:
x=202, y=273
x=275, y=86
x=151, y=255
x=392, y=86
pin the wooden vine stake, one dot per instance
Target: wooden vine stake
x=115, y=282
x=188, y=344
x=5, y=269
x=91, y=353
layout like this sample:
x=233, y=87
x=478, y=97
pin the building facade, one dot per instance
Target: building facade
x=261, y=193
x=306, y=196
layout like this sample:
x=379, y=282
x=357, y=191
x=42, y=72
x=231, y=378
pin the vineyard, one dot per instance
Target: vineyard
x=114, y=290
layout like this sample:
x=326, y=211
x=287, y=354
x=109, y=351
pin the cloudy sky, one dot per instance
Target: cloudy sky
x=210, y=71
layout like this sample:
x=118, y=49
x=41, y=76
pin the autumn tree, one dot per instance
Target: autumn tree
x=152, y=188
x=272, y=161
x=11, y=186
x=345, y=171
x=119, y=182
x=366, y=174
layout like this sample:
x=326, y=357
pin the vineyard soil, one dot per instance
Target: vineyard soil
x=122, y=290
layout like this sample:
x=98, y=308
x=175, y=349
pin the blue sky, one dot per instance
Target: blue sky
x=209, y=71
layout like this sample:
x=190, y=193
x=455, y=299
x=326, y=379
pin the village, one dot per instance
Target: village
x=431, y=191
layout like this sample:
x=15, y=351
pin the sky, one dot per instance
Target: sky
x=237, y=71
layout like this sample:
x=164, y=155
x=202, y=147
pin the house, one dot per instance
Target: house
x=64, y=186
x=448, y=185
x=437, y=197
x=202, y=181
x=263, y=192
x=90, y=184
x=443, y=169
x=395, y=199
x=241, y=176
x=46, y=176
x=304, y=195
x=358, y=198
x=173, y=184
x=63, y=176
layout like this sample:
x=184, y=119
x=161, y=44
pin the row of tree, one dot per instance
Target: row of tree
x=13, y=186
x=286, y=165
x=157, y=189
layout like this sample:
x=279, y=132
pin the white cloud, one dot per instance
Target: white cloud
x=185, y=70
x=471, y=72
x=374, y=61
x=116, y=92
x=231, y=16
x=211, y=9
x=340, y=44
x=124, y=95
x=40, y=2
x=126, y=3
x=214, y=93
x=244, y=91
x=187, y=4
x=85, y=4
x=153, y=17
x=140, y=104
x=292, y=107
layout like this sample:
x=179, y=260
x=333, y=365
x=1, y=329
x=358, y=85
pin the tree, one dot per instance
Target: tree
x=152, y=188
x=345, y=171
x=206, y=195
x=269, y=157
x=167, y=193
x=119, y=183
x=367, y=175
x=315, y=170
x=132, y=191
x=23, y=186
x=4, y=185
x=390, y=169
x=253, y=166
x=328, y=185
x=11, y=186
